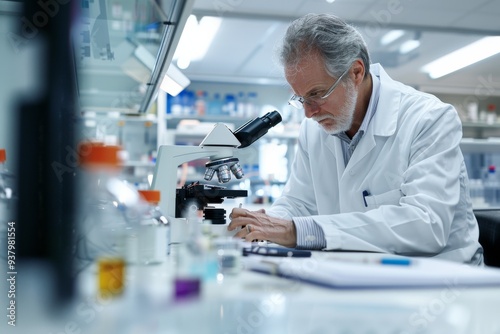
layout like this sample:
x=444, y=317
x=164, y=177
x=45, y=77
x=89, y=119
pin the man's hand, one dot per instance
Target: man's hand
x=257, y=225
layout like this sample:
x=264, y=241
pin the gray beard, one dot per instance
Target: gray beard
x=343, y=122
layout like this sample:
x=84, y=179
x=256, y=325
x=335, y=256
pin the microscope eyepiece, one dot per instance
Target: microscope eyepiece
x=256, y=128
x=272, y=118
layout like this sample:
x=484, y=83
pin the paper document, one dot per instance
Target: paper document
x=375, y=272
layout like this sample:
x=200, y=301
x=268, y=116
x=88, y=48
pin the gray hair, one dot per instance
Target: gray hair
x=337, y=43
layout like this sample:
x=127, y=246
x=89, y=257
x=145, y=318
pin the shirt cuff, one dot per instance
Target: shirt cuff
x=309, y=234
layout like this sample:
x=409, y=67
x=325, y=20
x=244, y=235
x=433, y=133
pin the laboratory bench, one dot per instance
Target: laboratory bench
x=254, y=302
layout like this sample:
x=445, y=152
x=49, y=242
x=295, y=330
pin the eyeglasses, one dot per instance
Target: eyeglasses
x=297, y=101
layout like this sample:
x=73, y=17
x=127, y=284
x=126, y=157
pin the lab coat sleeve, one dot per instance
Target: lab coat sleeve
x=420, y=223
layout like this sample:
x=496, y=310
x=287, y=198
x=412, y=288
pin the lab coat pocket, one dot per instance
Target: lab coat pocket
x=390, y=197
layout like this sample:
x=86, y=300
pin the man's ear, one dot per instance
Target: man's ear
x=358, y=69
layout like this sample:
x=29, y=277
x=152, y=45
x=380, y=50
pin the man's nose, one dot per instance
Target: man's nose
x=310, y=109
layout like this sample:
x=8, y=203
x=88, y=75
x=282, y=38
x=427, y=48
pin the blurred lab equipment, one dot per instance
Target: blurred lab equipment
x=154, y=231
x=110, y=212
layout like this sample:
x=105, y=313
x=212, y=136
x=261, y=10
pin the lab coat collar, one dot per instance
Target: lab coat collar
x=335, y=146
x=385, y=121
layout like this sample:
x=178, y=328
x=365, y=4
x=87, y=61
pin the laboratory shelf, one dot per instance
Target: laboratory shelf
x=481, y=125
x=138, y=164
x=118, y=116
x=173, y=120
x=269, y=135
x=474, y=145
x=481, y=129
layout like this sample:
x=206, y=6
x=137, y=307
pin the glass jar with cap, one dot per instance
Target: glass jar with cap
x=109, y=210
x=154, y=231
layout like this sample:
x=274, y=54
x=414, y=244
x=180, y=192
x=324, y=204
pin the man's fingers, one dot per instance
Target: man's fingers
x=243, y=233
x=238, y=212
x=240, y=222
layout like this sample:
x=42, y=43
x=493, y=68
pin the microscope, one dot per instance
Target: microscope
x=219, y=147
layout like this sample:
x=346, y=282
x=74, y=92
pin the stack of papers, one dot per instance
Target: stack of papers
x=375, y=271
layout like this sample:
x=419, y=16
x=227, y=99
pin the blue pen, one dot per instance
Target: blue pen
x=390, y=261
x=365, y=194
x=396, y=261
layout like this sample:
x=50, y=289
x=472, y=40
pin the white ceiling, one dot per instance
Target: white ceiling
x=244, y=48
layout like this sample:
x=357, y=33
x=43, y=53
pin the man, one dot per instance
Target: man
x=378, y=165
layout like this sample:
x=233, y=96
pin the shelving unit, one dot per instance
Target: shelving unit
x=480, y=129
x=474, y=145
x=136, y=134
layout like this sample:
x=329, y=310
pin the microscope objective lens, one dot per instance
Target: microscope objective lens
x=237, y=170
x=224, y=174
x=209, y=173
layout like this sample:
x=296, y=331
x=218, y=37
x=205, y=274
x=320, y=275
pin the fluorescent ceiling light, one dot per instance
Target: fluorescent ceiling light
x=174, y=81
x=207, y=29
x=409, y=45
x=183, y=52
x=468, y=55
x=196, y=39
x=391, y=36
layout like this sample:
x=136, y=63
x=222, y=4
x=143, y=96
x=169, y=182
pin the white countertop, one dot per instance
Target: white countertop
x=251, y=302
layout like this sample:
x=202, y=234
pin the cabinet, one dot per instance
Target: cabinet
x=479, y=155
x=122, y=52
x=481, y=140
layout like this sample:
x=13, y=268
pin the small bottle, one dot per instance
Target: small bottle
x=476, y=189
x=241, y=105
x=175, y=103
x=188, y=276
x=196, y=260
x=230, y=105
x=253, y=108
x=472, y=112
x=188, y=102
x=480, y=203
x=491, y=117
x=201, y=103
x=109, y=210
x=154, y=232
x=216, y=105
x=491, y=187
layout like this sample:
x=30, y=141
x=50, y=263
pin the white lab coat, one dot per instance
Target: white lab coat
x=409, y=160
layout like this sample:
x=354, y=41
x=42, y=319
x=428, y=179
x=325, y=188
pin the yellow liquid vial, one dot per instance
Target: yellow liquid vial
x=111, y=276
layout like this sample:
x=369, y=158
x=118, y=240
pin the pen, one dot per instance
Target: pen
x=391, y=261
x=365, y=194
x=396, y=261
